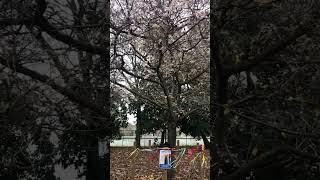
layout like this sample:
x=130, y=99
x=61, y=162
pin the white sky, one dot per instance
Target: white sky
x=131, y=119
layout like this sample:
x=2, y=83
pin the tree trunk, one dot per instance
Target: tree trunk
x=172, y=136
x=138, y=136
x=138, y=126
x=213, y=154
x=104, y=161
x=163, y=137
x=218, y=98
x=92, y=159
x=220, y=127
x=98, y=159
x=250, y=83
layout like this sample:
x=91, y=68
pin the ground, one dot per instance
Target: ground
x=144, y=167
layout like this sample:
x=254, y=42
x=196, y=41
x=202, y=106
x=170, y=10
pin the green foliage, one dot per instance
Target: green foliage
x=195, y=124
x=151, y=118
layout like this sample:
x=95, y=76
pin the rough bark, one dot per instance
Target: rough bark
x=98, y=163
x=138, y=126
x=250, y=83
x=220, y=126
x=218, y=98
x=172, y=132
x=218, y=121
x=92, y=171
x=107, y=160
x=163, y=137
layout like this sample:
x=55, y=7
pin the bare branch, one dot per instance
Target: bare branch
x=77, y=99
x=188, y=81
x=143, y=97
x=268, y=157
x=265, y=56
x=290, y=132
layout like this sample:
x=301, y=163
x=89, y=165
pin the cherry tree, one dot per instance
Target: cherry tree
x=160, y=49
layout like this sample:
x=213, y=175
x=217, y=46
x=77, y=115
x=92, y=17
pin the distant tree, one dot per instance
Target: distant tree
x=196, y=124
x=150, y=119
